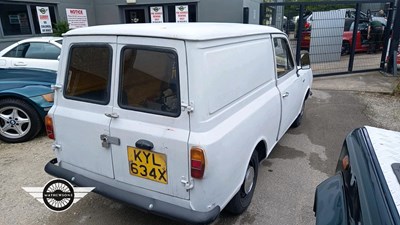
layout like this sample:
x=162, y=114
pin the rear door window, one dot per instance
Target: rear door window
x=89, y=72
x=149, y=81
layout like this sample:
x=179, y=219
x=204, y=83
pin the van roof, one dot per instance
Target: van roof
x=182, y=31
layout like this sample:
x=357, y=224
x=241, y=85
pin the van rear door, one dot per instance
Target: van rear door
x=79, y=115
x=152, y=129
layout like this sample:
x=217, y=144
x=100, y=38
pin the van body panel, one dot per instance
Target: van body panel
x=252, y=104
x=227, y=147
x=202, y=91
x=168, y=134
x=227, y=79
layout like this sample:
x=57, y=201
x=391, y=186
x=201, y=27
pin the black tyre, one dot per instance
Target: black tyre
x=242, y=199
x=299, y=118
x=345, y=48
x=19, y=121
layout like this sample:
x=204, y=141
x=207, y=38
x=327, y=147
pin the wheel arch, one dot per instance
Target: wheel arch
x=261, y=149
x=308, y=93
x=25, y=99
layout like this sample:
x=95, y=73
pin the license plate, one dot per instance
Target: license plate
x=147, y=164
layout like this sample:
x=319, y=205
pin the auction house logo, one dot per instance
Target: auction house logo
x=58, y=195
x=43, y=10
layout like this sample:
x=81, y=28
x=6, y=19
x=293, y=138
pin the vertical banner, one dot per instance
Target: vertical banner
x=44, y=20
x=156, y=14
x=182, y=13
x=77, y=18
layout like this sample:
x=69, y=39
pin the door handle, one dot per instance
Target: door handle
x=20, y=64
x=112, y=115
x=286, y=94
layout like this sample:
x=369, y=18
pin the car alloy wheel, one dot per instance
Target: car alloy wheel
x=19, y=121
x=15, y=122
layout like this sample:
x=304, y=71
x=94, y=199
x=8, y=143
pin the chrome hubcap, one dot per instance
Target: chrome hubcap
x=14, y=122
x=249, y=180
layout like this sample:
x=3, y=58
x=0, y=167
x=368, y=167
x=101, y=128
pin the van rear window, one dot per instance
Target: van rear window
x=89, y=70
x=149, y=81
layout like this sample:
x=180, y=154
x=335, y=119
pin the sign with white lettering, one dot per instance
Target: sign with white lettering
x=77, y=18
x=182, y=13
x=44, y=20
x=156, y=14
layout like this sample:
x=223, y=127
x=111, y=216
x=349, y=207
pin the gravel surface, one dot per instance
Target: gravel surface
x=383, y=110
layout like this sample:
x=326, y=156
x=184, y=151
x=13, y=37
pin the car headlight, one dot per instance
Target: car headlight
x=48, y=97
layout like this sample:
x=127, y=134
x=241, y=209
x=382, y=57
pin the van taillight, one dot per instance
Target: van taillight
x=197, y=162
x=48, y=121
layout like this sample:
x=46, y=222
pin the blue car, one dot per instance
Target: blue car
x=25, y=98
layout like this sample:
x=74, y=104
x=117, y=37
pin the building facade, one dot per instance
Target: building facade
x=23, y=19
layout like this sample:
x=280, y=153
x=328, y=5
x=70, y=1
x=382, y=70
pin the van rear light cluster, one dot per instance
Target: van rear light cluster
x=48, y=121
x=197, y=162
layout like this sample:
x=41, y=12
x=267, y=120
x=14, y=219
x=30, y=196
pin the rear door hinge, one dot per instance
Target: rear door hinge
x=188, y=107
x=187, y=183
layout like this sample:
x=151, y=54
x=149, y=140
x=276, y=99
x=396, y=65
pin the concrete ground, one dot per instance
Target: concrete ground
x=372, y=82
x=284, y=194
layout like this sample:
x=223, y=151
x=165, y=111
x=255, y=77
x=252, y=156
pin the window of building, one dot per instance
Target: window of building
x=35, y=17
x=15, y=19
x=150, y=81
x=18, y=19
x=89, y=73
x=192, y=12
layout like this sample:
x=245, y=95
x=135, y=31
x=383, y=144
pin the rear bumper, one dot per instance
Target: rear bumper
x=161, y=208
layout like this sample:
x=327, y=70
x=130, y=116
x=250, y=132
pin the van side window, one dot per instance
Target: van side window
x=283, y=57
x=89, y=70
x=149, y=81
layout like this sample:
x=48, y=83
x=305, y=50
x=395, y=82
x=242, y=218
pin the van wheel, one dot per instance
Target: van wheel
x=242, y=198
x=299, y=118
x=19, y=122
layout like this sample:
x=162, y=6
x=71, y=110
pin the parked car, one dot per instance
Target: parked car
x=25, y=99
x=174, y=118
x=308, y=18
x=361, y=38
x=38, y=52
x=347, y=38
x=365, y=188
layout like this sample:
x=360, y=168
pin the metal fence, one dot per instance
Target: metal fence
x=341, y=36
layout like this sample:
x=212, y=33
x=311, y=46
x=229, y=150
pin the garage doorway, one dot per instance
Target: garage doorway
x=137, y=15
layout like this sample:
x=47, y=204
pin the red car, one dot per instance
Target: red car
x=347, y=43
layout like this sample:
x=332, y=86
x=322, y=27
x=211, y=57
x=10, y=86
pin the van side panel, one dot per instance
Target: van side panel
x=245, y=106
x=233, y=77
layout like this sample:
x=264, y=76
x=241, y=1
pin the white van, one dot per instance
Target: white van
x=174, y=118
